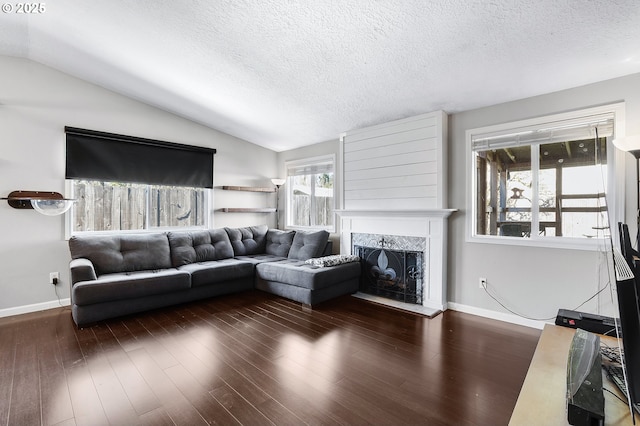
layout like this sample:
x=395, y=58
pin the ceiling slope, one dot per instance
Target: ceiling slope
x=284, y=74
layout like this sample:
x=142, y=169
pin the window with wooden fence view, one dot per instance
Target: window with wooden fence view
x=115, y=206
x=311, y=200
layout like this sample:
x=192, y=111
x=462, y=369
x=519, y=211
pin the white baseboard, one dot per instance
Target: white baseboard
x=500, y=316
x=34, y=307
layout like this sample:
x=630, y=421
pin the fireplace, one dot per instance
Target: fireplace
x=393, y=274
x=392, y=266
x=418, y=235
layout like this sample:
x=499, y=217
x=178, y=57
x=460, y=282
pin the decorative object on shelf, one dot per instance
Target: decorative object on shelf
x=278, y=182
x=247, y=210
x=44, y=202
x=247, y=188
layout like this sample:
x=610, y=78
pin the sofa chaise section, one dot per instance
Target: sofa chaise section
x=302, y=282
x=306, y=283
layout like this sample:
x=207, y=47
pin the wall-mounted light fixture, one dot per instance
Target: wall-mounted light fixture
x=44, y=202
x=278, y=183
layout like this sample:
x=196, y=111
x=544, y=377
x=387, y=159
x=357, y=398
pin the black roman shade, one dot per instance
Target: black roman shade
x=118, y=158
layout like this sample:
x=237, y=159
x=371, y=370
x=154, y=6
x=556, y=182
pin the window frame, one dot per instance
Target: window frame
x=311, y=161
x=615, y=177
x=69, y=216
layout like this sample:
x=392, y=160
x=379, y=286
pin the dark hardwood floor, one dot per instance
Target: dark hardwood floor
x=256, y=359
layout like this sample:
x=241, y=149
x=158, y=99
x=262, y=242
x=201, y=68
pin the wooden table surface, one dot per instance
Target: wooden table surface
x=542, y=399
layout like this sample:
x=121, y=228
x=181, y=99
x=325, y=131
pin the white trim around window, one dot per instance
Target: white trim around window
x=528, y=133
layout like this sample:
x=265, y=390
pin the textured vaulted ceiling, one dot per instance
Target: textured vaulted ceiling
x=284, y=74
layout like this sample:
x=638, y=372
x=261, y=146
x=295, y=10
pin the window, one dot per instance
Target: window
x=310, y=193
x=125, y=183
x=119, y=206
x=538, y=180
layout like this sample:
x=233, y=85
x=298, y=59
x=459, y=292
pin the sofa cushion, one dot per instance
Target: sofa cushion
x=260, y=258
x=300, y=274
x=122, y=252
x=249, y=240
x=218, y=271
x=308, y=244
x=199, y=246
x=129, y=285
x=279, y=242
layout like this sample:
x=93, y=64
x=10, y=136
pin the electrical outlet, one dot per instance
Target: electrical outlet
x=54, y=278
x=482, y=283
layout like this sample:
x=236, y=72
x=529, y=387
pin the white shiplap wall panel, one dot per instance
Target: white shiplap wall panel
x=417, y=157
x=393, y=193
x=396, y=165
x=383, y=151
x=390, y=139
x=393, y=127
x=392, y=182
x=392, y=204
x=388, y=172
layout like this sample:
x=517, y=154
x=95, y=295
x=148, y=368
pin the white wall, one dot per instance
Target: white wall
x=36, y=103
x=532, y=281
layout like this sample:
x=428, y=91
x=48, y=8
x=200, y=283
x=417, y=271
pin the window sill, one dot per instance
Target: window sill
x=137, y=231
x=330, y=229
x=567, y=243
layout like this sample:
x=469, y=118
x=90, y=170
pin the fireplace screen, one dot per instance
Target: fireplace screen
x=395, y=274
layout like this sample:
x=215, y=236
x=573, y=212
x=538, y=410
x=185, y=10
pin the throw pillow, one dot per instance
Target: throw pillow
x=279, y=242
x=333, y=260
x=249, y=240
x=308, y=244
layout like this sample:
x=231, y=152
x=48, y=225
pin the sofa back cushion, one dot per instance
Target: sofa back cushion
x=308, y=244
x=279, y=242
x=199, y=246
x=250, y=240
x=123, y=252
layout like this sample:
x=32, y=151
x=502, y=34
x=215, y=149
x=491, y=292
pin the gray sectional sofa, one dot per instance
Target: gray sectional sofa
x=119, y=274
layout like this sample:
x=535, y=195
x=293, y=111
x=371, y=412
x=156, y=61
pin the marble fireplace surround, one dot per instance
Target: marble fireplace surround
x=428, y=224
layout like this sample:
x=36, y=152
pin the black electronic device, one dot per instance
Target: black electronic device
x=589, y=322
x=628, y=289
x=585, y=398
x=630, y=255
